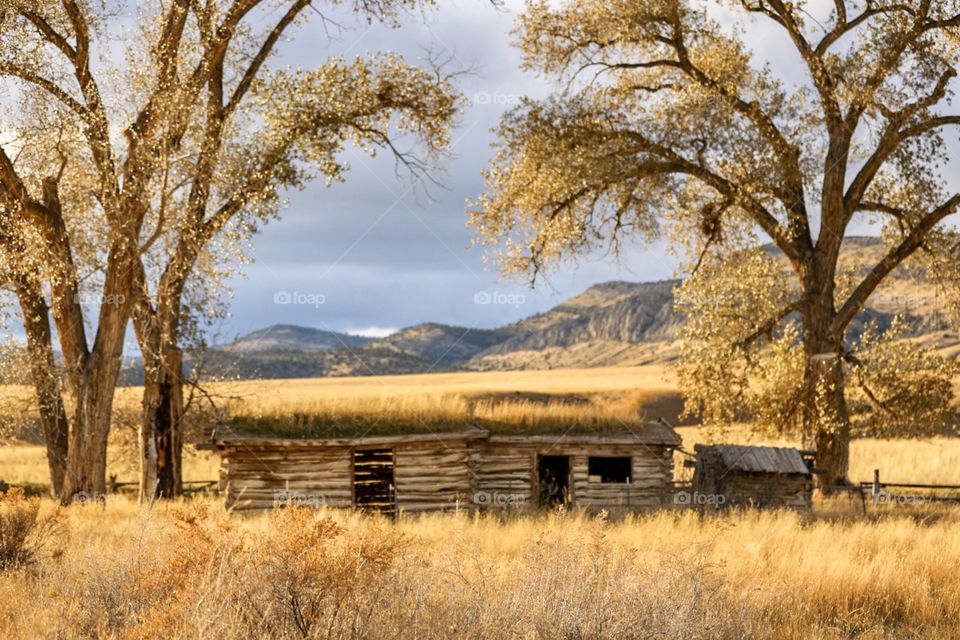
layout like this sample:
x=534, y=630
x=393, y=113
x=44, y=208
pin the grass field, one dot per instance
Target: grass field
x=189, y=569
x=649, y=391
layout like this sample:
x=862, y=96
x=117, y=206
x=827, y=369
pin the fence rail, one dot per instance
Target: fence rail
x=879, y=492
x=189, y=486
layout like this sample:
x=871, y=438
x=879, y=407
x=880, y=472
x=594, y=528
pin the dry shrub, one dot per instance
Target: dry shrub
x=300, y=575
x=307, y=576
x=23, y=531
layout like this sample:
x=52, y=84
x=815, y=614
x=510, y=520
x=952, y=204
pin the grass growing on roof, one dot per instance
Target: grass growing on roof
x=434, y=413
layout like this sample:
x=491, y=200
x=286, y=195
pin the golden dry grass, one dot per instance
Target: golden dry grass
x=187, y=571
x=280, y=393
x=27, y=464
x=191, y=570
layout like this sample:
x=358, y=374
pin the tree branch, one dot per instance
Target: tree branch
x=891, y=140
x=892, y=260
x=767, y=327
x=50, y=34
x=46, y=84
x=265, y=50
x=843, y=26
x=783, y=15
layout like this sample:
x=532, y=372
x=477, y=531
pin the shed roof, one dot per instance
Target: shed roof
x=758, y=459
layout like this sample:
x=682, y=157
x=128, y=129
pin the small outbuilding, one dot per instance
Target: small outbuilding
x=729, y=475
x=450, y=469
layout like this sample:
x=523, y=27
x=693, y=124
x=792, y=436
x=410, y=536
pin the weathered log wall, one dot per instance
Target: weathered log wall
x=507, y=474
x=259, y=478
x=437, y=474
x=651, y=474
x=767, y=490
x=433, y=477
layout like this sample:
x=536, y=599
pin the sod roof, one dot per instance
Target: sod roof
x=302, y=426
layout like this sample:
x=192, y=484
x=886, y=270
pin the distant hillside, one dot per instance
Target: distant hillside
x=288, y=337
x=614, y=323
x=445, y=345
x=610, y=323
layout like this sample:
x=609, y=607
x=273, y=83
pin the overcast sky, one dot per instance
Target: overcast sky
x=379, y=255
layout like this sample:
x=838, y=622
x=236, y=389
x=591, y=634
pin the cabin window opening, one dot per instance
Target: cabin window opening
x=373, y=483
x=609, y=469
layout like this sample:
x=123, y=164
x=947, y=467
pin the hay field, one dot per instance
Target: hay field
x=191, y=570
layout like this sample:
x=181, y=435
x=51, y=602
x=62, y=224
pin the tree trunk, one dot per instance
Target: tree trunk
x=92, y=377
x=826, y=419
x=87, y=463
x=46, y=382
x=833, y=454
x=161, y=429
x=161, y=433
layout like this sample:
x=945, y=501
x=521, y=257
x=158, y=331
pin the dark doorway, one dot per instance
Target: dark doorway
x=373, y=480
x=554, y=475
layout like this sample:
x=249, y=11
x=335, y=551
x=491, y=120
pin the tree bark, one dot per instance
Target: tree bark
x=161, y=428
x=87, y=462
x=46, y=382
x=161, y=432
x=826, y=418
x=92, y=377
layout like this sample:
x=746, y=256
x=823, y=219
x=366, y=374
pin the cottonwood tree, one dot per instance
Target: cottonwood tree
x=251, y=139
x=666, y=121
x=101, y=195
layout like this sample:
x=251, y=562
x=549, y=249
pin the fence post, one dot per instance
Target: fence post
x=875, y=493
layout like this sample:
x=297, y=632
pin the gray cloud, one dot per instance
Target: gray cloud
x=383, y=256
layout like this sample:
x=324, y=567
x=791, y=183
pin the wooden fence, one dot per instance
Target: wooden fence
x=879, y=491
x=190, y=487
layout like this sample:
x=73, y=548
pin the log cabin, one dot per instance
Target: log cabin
x=471, y=468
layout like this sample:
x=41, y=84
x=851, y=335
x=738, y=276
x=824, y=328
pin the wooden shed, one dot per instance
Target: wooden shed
x=729, y=475
x=464, y=469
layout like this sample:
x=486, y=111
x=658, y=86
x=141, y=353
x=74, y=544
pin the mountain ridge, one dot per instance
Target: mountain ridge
x=610, y=323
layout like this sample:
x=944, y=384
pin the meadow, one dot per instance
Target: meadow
x=613, y=393
x=189, y=569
